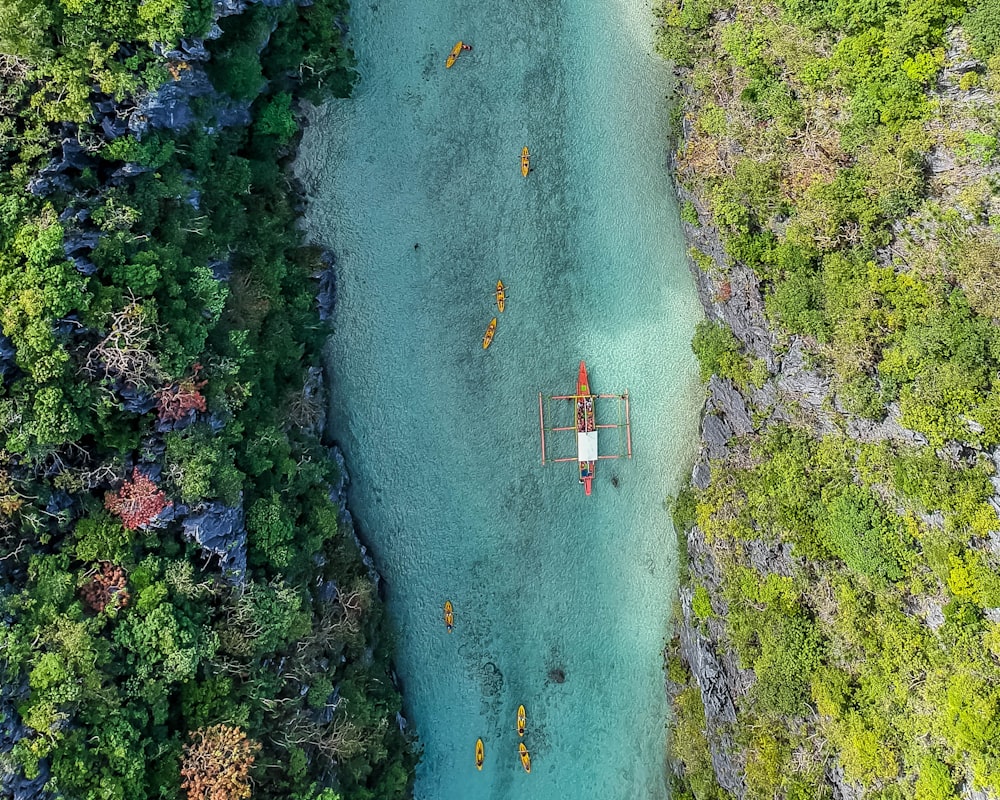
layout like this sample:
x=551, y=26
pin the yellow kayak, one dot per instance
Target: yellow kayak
x=525, y=161
x=525, y=757
x=479, y=754
x=449, y=615
x=453, y=55
x=522, y=720
x=501, y=296
x=490, y=330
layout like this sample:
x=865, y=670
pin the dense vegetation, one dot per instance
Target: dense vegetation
x=185, y=608
x=847, y=153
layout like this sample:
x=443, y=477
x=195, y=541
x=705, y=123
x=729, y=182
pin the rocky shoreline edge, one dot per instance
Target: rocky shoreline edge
x=793, y=393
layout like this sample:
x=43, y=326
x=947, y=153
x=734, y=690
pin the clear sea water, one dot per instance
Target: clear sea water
x=416, y=186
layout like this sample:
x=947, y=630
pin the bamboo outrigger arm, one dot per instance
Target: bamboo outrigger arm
x=626, y=424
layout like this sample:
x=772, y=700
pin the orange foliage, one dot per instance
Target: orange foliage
x=138, y=502
x=106, y=588
x=174, y=402
x=217, y=763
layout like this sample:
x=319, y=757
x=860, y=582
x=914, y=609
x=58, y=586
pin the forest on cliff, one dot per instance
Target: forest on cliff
x=839, y=621
x=186, y=608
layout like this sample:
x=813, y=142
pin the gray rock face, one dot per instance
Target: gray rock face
x=807, y=386
x=715, y=433
x=770, y=558
x=219, y=530
x=187, y=50
x=226, y=8
x=314, y=392
x=78, y=243
x=725, y=400
x=744, y=313
x=888, y=429
x=725, y=416
x=326, y=293
x=701, y=475
x=966, y=792
x=13, y=784
x=720, y=713
x=8, y=358
x=842, y=790
x=169, y=107
x=42, y=187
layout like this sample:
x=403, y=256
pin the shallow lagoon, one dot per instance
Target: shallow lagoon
x=416, y=186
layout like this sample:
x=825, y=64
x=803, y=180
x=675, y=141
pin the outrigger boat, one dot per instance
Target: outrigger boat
x=525, y=757
x=586, y=426
x=450, y=62
x=490, y=330
x=449, y=615
x=525, y=161
x=479, y=754
x=501, y=296
x=522, y=720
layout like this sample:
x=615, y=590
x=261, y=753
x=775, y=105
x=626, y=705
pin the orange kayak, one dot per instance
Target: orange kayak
x=501, y=296
x=525, y=757
x=449, y=615
x=479, y=754
x=522, y=720
x=525, y=161
x=490, y=330
x=453, y=55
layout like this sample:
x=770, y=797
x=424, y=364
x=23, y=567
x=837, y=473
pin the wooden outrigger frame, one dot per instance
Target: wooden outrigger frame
x=623, y=399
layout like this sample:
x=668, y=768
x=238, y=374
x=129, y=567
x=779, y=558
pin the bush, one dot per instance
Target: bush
x=982, y=24
x=701, y=603
x=217, y=762
x=859, y=531
x=689, y=213
x=719, y=353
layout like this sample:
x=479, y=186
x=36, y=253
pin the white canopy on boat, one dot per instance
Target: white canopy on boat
x=586, y=445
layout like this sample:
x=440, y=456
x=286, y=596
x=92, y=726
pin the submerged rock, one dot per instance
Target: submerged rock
x=326, y=294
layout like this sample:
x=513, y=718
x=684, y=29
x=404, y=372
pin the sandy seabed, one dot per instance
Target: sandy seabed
x=415, y=185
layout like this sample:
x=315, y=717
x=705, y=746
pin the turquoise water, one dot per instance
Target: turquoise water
x=416, y=185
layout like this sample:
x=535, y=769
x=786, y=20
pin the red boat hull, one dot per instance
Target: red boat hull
x=585, y=422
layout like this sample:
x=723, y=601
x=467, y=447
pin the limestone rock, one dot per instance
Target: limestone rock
x=219, y=530
x=720, y=712
x=725, y=399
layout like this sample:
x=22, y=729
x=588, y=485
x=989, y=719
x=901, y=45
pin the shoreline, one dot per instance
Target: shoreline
x=710, y=680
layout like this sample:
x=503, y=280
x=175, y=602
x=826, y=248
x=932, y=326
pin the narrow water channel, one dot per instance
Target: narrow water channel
x=416, y=186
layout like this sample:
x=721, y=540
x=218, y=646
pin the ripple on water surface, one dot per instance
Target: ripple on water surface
x=561, y=601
